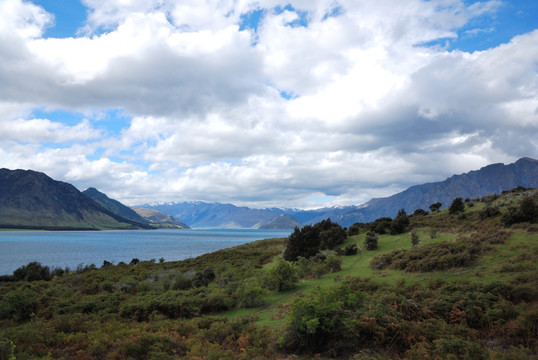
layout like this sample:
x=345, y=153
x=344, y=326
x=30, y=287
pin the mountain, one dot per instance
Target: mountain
x=282, y=222
x=32, y=200
x=159, y=219
x=203, y=215
x=114, y=206
x=491, y=179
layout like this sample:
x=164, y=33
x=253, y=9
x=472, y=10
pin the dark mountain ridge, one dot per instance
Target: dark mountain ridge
x=32, y=200
x=491, y=179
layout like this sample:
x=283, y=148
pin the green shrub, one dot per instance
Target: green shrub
x=33, y=271
x=19, y=305
x=334, y=263
x=431, y=257
x=281, y=277
x=371, y=241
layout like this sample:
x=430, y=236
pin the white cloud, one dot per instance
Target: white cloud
x=373, y=111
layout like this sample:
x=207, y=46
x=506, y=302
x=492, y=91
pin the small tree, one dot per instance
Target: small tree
x=420, y=212
x=457, y=206
x=435, y=206
x=400, y=222
x=414, y=239
x=282, y=277
x=370, y=241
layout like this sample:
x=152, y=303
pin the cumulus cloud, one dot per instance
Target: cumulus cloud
x=319, y=102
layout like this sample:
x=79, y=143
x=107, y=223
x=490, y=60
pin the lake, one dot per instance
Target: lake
x=74, y=248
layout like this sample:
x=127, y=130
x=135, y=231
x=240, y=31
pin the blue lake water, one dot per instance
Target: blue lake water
x=73, y=248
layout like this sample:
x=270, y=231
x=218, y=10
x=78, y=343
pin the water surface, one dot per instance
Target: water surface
x=74, y=248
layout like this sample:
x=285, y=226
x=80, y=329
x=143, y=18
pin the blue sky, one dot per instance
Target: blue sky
x=265, y=103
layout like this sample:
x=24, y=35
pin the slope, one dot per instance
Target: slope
x=32, y=200
x=114, y=206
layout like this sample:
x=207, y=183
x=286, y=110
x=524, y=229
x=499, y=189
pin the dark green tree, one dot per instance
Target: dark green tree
x=309, y=240
x=370, y=241
x=353, y=230
x=302, y=242
x=457, y=206
x=435, y=206
x=420, y=212
x=400, y=223
x=332, y=236
x=415, y=240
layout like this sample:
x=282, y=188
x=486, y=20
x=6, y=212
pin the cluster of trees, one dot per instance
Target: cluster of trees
x=311, y=239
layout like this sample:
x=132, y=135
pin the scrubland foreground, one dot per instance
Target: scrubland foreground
x=460, y=283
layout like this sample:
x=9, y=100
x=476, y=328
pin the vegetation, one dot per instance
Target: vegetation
x=467, y=290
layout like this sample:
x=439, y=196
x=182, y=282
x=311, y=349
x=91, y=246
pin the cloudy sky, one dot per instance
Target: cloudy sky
x=298, y=103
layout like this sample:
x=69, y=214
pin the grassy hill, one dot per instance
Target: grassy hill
x=467, y=290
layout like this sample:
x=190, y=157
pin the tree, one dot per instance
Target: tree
x=435, y=206
x=282, y=277
x=332, y=237
x=302, y=242
x=400, y=222
x=309, y=240
x=420, y=212
x=414, y=239
x=370, y=241
x=353, y=230
x=457, y=206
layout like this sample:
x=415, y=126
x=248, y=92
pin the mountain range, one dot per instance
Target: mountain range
x=32, y=200
x=491, y=179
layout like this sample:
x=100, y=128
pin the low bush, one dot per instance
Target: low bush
x=431, y=257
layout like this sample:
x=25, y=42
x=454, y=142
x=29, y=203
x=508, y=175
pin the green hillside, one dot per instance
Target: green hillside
x=466, y=289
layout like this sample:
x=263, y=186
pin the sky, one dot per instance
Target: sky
x=265, y=103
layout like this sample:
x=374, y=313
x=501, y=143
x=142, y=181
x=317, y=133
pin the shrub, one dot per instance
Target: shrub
x=353, y=230
x=282, y=277
x=420, y=212
x=350, y=249
x=334, y=263
x=7, y=348
x=19, y=305
x=431, y=257
x=414, y=239
x=435, y=206
x=527, y=211
x=371, y=241
x=33, y=271
x=489, y=211
x=323, y=318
